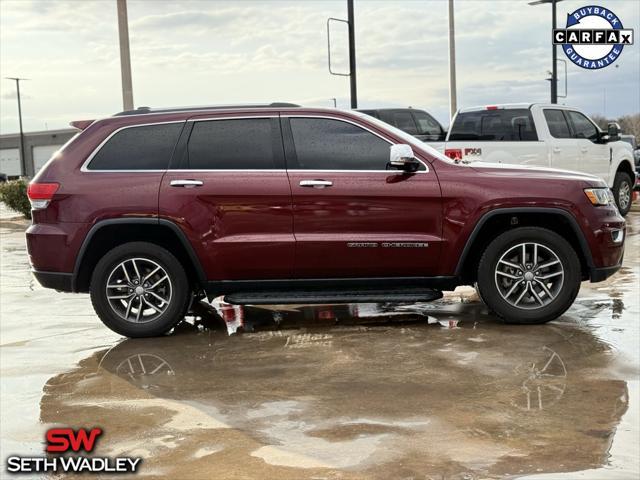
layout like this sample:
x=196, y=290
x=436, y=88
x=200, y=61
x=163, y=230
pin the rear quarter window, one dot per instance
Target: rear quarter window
x=148, y=147
x=502, y=125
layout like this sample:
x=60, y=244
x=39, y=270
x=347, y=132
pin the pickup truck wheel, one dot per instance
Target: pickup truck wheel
x=623, y=191
x=529, y=275
x=139, y=289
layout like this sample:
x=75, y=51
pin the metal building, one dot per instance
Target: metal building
x=38, y=148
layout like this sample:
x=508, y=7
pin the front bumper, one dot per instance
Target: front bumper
x=600, y=274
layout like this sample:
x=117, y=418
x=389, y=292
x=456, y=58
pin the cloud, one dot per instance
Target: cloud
x=199, y=51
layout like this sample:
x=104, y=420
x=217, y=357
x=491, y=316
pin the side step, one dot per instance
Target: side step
x=363, y=295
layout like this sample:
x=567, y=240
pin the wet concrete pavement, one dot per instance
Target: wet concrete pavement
x=424, y=391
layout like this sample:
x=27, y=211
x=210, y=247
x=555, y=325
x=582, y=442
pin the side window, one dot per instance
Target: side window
x=404, y=121
x=557, y=124
x=427, y=125
x=582, y=126
x=231, y=145
x=147, y=147
x=325, y=144
x=519, y=124
x=503, y=125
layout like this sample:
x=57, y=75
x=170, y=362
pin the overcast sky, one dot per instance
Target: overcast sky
x=196, y=52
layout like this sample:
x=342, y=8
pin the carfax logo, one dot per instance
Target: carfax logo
x=593, y=38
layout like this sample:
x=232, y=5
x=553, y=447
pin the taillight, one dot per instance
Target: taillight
x=453, y=153
x=40, y=194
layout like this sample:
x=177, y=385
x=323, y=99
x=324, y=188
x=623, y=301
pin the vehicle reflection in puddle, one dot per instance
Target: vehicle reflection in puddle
x=238, y=318
x=460, y=397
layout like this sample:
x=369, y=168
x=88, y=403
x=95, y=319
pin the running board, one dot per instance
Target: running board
x=363, y=295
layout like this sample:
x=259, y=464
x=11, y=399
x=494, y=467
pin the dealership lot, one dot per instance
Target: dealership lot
x=368, y=391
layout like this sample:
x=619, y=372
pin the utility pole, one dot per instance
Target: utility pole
x=554, y=52
x=352, y=54
x=453, y=96
x=554, y=58
x=23, y=163
x=125, y=56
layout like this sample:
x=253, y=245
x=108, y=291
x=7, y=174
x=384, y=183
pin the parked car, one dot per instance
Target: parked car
x=631, y=140
x=266, y=205
x=546, y=135
x=412, y=121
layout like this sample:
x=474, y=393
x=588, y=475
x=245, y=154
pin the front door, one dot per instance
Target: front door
x=563, y=148
x=227, y=189
x=594, y=155
x=352, y=216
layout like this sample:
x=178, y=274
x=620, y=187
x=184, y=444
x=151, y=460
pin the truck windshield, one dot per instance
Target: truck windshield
x=501, y=125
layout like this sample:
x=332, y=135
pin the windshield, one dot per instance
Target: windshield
x=409, y=139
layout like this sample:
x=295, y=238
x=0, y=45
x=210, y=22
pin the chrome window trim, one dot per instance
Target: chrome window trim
x=302, y=115
x=85, y=166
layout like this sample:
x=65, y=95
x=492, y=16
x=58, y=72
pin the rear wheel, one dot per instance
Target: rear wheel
x=529, y=275
x=139, y=290
x=623, y=191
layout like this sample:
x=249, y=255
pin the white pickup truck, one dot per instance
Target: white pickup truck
x=543, y=135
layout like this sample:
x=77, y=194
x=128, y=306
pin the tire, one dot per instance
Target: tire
x=479, y=293
x=164, y=305
x=547, y=293
x=623, y=192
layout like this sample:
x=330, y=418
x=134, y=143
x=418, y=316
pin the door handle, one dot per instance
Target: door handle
x=316, y=183
x=557, y=149
x=584, y=149
x=186, y=183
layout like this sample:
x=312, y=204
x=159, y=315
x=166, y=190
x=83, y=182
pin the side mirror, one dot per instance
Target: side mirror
x=401, y=157
x=613, y=132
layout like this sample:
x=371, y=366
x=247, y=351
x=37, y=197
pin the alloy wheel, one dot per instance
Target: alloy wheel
x=139, y=290
x=624, y=195
x=529, y=276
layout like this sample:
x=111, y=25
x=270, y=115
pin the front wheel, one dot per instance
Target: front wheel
x=139, y=290
x=529, y=275
x=623, y=191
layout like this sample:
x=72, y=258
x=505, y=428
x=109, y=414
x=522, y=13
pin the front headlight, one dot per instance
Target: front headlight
x=599, y=196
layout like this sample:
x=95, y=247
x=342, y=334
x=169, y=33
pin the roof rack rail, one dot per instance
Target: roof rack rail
x=148, y=110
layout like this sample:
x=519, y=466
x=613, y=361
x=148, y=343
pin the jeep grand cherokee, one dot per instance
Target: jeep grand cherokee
x=150, y=209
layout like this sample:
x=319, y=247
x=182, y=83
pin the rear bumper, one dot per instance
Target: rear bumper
x=63, y=282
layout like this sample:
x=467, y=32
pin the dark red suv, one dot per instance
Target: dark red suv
x=150, y=210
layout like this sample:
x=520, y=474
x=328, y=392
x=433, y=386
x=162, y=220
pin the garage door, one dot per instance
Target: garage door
x=42, y=154
x=10, y=161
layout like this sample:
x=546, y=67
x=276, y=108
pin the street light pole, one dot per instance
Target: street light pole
x=453, y=96
x=554, y=57
x=23, y=164
x=554, y=52
x=125, y=56
x=352, y=54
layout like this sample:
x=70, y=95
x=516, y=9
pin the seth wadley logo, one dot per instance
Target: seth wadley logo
x=593, y=38
x=66, y=441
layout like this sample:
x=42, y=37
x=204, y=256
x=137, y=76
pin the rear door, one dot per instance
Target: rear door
x=498, y=135
x=227, y=189
x=354, y=218
x=594, y=156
